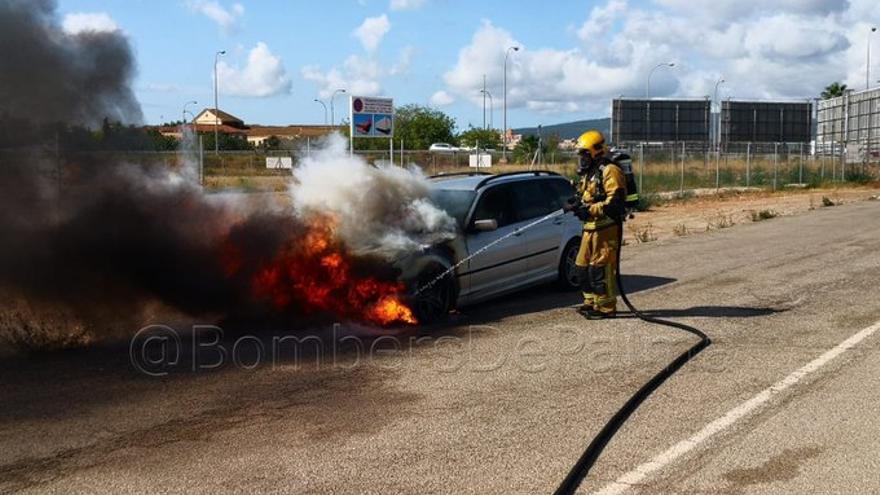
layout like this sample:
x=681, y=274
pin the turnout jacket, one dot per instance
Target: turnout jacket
x=605, y=194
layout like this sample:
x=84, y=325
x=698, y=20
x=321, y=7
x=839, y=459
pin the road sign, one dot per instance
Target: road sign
x=371, y=117
x=282, y=162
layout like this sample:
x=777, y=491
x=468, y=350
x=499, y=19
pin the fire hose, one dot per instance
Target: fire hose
x=589, y=457
x=583, y=465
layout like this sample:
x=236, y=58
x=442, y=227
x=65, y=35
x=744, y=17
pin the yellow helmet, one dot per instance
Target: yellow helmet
x=594, y=142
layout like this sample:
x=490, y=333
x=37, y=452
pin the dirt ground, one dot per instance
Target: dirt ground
x=677, y=218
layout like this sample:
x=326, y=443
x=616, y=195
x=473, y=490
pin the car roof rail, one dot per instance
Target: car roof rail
x=536, y=173
x=457, y=174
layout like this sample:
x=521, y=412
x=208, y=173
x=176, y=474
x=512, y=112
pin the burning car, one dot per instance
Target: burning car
x=490, y=211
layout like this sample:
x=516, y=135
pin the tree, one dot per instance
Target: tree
x=419, y=127
x=525, y=149
x=833, y=90
x=486, y=138
x=229, y=142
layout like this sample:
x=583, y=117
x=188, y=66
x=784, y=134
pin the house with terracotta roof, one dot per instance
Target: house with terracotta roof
x=256, y=134
x=212, y=117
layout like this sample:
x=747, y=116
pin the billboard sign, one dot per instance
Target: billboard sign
x=371, y=117
x=659, y=120
x=766, y=121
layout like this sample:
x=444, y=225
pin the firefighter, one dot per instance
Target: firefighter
x=600, y=204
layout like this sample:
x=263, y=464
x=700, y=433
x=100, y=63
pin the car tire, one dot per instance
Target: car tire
x=433, y=304
x=567, y=278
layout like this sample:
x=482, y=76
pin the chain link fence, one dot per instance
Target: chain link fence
x=659, y=168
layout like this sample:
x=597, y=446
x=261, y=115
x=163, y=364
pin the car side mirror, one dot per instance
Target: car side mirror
x=486, y=225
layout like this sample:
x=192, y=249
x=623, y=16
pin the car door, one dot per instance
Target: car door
x=534, y=199
x=503, y=264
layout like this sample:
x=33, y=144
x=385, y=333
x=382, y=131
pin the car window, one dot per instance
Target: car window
x=495, y=204
x=532, y=199
x=457, y=203
x=560, y=191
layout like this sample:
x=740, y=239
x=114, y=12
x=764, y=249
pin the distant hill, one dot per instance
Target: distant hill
x=568, y=130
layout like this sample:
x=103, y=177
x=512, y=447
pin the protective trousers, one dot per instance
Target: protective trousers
x=597, y=268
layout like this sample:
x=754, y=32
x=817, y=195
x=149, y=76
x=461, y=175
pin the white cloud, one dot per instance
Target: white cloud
x=358, y=75
x=80, y=22
x=406, y=4
x=404, y=60
x=764, y=49
x=263, y=75
x=544, y=79
x=227, y=18
x=600, y=19
x=442, y=98
x=371, y=32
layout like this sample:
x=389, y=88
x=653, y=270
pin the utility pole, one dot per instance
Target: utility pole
x=491, y=109
x=216, y=114
x=483, y=91
x=718, y=122
x=504, y=148
x=868, y=65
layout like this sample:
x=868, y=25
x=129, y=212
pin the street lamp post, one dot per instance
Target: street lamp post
x=491, y=108
x=868, y=64
x=325, y=109
x=504, y=148
x=718, y=123
x=332, y=110
x=648, y=98
x=216, y=114
x=183, y=114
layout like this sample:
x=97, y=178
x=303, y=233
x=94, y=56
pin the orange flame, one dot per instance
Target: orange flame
x=315, y=274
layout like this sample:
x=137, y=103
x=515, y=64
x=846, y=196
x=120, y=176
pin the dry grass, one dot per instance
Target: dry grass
x=680, y=230
x=758, y=216
x=720, y=221
x=644, y=234
x=27, y=327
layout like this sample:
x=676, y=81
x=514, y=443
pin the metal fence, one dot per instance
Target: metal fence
x=659, y=168
x=850, y=125
x=678, y=167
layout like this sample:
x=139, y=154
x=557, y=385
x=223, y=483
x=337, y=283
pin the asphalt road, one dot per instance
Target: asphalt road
x=506, y=398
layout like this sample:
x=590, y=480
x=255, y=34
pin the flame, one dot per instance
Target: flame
x=314, y=274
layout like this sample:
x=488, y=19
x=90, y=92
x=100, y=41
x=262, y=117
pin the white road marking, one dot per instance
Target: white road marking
x=643, y=471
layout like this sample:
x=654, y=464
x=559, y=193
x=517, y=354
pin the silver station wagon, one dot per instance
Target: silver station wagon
x=488, y=208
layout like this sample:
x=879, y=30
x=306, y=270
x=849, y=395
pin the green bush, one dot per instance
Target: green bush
x=646, y=201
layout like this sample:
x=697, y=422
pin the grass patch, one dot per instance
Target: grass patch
x=644, y=234
x=680, y=230
x=646, y=201
x=719, y=221
x=826, y=202
x=758, y=216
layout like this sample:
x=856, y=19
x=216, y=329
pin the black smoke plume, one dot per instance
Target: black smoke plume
x=93, y=245
x=88, y=241
x=47, y=75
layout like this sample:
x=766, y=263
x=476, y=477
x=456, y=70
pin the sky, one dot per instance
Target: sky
x=574, y=55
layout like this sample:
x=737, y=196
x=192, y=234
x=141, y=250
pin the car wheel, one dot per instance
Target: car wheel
x=433, y=303
x=568, y=276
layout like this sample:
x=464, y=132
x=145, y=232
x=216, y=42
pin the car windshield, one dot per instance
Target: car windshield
x=455, y=202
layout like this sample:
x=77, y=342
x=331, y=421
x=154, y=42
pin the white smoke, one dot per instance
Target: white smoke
x=383, y=209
